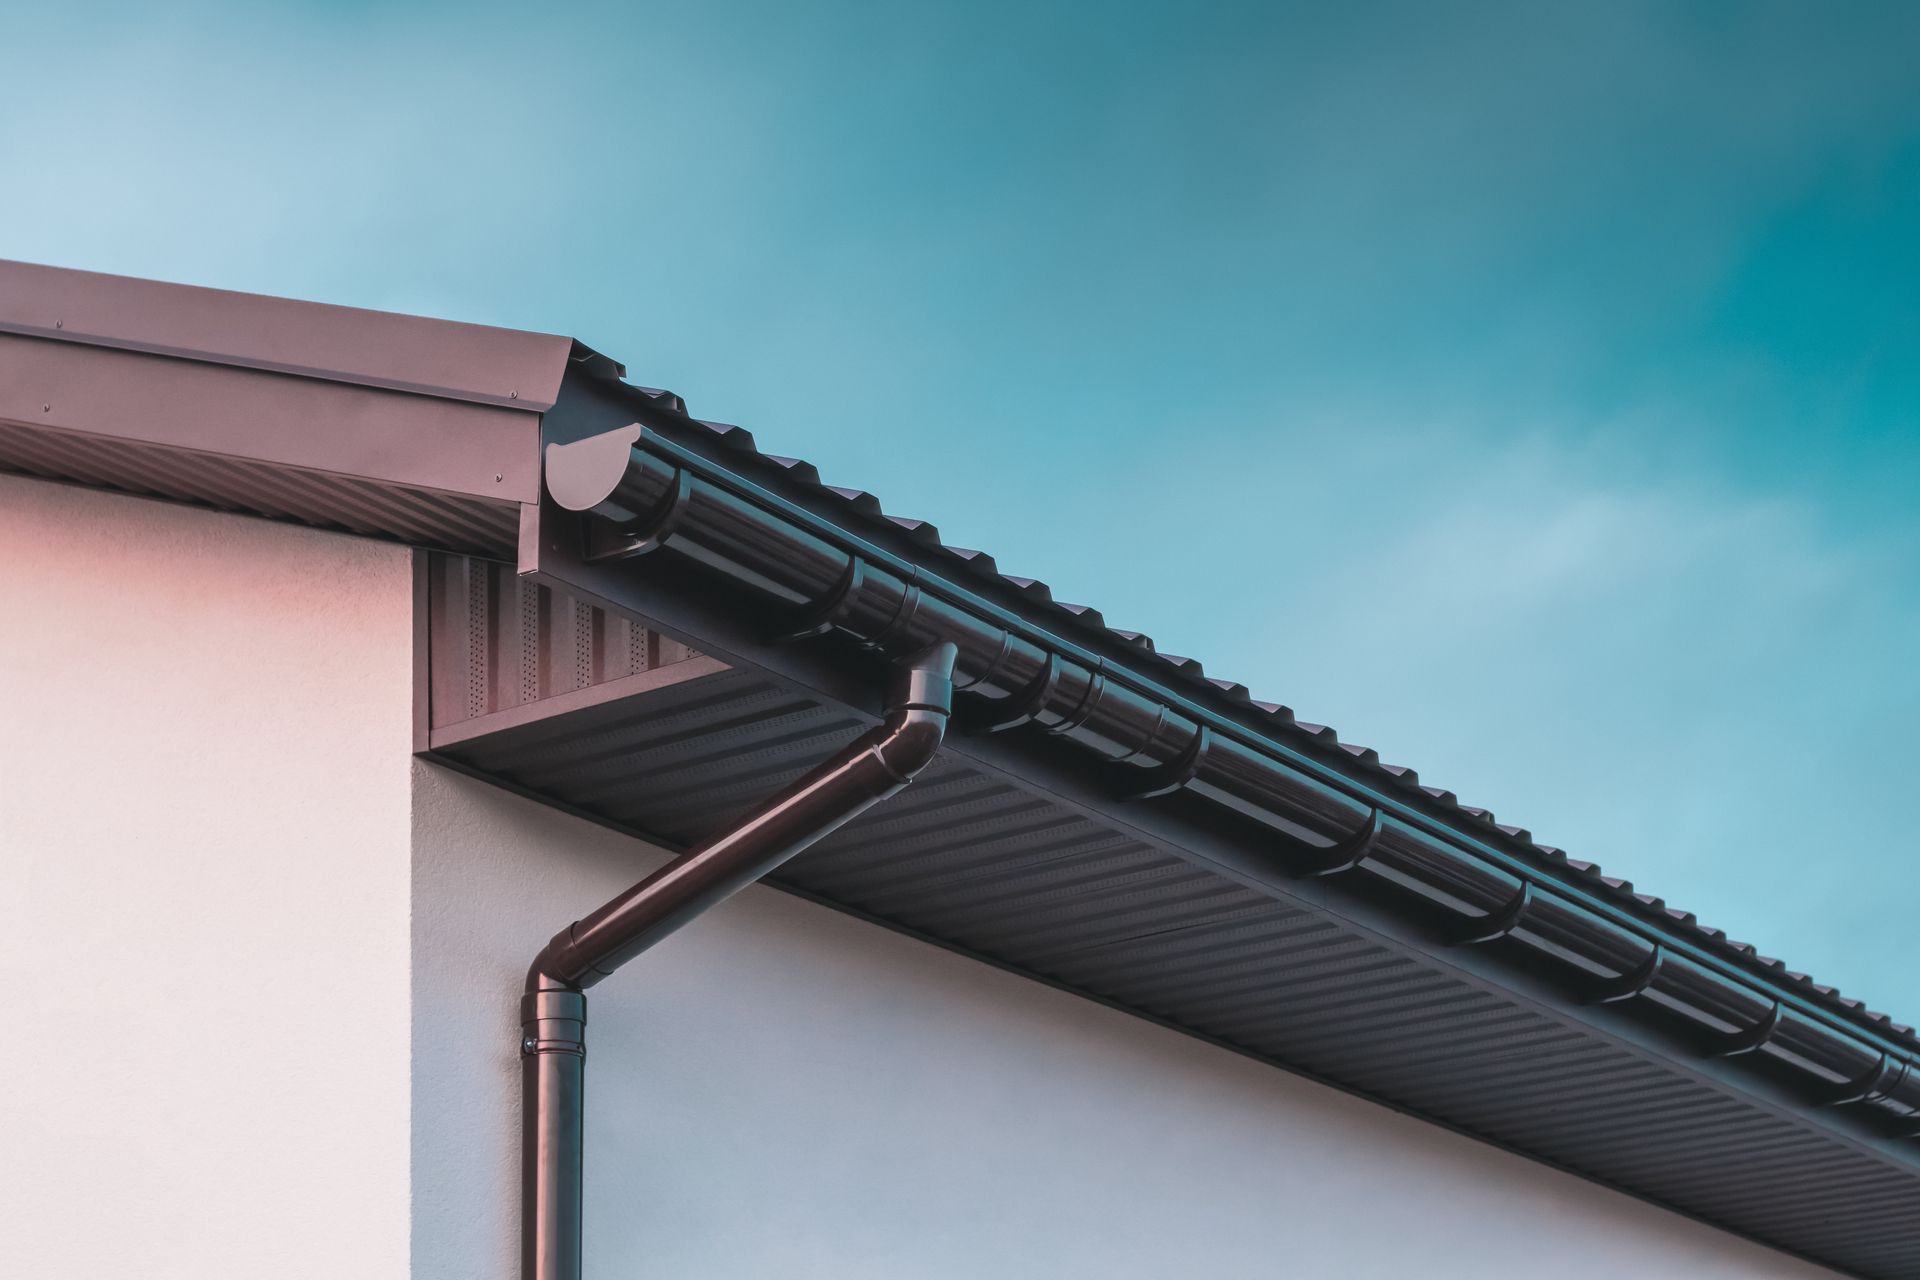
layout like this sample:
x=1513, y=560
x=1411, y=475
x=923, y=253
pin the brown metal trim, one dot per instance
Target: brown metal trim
x=441, y=358
x=370, y=433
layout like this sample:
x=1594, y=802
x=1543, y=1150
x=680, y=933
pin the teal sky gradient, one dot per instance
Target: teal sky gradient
x=1530, y=391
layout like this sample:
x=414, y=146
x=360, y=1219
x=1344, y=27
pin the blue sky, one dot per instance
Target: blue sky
x=1531, y=392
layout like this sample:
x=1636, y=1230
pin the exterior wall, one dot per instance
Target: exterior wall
x=783, y=1090
x=203, y=893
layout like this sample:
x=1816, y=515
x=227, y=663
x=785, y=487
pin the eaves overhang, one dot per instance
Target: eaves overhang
x=643, y=618
x=381, y=424
x=787, y=494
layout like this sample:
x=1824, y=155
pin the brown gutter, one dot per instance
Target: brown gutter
x=554, y=1009
x=643, y=494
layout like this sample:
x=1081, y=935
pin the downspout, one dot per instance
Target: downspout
x=553, y=1011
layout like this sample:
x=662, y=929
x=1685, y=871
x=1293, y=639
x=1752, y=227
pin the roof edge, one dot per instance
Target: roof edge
x=446, y=359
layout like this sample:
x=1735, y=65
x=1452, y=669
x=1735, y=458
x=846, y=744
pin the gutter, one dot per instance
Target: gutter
x=640, y=494
x=553, y=1010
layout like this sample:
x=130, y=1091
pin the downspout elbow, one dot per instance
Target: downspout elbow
x=919, y=705
x=550, y=969
x=918, y=708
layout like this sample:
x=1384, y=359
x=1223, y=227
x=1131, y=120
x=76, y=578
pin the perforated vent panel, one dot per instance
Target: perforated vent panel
x=500, y=643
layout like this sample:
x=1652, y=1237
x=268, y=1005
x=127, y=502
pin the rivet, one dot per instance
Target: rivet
x=46, y=408
x=513, y=395
x=497, y=477
x=59, y=324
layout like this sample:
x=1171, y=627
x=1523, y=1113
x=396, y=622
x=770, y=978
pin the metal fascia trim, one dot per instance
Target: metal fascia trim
x=446, y=359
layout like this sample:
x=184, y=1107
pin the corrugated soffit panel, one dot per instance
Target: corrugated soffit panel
x=329, y=501
x=980, y=864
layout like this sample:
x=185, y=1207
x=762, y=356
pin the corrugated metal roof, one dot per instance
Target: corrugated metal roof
x=864, y=510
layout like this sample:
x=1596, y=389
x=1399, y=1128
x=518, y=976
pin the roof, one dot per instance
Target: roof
x=1114, y=820
x=1229, y=697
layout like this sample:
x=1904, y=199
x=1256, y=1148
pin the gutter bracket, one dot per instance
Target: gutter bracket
x=1499, y=924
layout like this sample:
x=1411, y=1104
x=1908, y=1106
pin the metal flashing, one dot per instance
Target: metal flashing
x=425, y=431
x=445, y=359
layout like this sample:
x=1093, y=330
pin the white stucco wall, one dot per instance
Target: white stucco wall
x=204, y=745
x=780, y=1090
